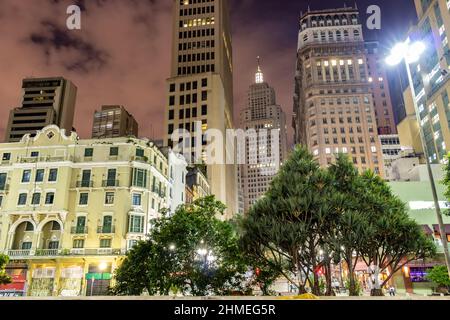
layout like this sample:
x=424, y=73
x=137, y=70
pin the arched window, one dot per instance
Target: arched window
x=356, y=33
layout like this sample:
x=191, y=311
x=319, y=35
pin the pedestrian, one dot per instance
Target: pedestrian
x=392, y=291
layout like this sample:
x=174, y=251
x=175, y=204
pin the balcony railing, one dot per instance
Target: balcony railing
x=47, y=252
x=20, y=253
x=39, y=253
x=106, y=229
x=45, y=159
x=85, y=184
x=79, y=230
x=110, y=183
x=139, y=158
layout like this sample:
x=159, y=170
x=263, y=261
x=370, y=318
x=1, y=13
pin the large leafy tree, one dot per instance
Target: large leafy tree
x=4, y=278
x=285, y=229
x=312, y=217
x=394, y=239
x=192, y=252
x=439, y=276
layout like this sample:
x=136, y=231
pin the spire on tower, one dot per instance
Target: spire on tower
x=259, y=77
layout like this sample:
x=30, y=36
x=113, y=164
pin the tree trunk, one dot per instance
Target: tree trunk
x=329, y=287
x=316, y=287
x=376, y=290
x=352, y=289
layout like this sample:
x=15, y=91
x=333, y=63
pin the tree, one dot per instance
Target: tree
x=285, y=228
x=4, y=278
x=311, y=217
x=395, y=240
x=192, y=251
x=439, y=275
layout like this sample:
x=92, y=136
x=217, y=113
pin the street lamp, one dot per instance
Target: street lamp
x=410, y=53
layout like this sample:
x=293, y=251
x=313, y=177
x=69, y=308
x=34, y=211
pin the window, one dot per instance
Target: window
x=109, y=198
x=3, y=177
x=6, y=156
x=35, y=154
x=204, y=110
x=36, y=199
x=140, y=178
x=111, y=178
x=26, y=176
x=136, y=224
x=78, y=243
x=107, y=224
x=137, y=199
x=171, y=100
x=49, y=198
x=53, y=175
x=114, y=151
x=81, y=225
x=1, y=201
x=139, y=152
x=88, y=152
x=204, y=82
x=204, y=95
x=29, y=227
x=86, y=178
x=172, y=87
x=22, y=199
x=26, y=245
x=39, y=175
x=84, y=198
x=105, y=243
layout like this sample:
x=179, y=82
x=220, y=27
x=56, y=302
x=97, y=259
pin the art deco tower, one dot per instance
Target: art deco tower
x=261, y=113
x=200, y=88
x=333, y=103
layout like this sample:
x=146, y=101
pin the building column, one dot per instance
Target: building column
x=56, y=279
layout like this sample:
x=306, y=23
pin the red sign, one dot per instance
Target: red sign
x=18, y=280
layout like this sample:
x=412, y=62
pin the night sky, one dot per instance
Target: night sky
x=122, y=53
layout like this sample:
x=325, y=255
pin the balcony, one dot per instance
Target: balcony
x=44, y=159
x=106, y=229
x=47, y=252
x=110, y=183
x=41, y=253
x=79, y=230
x=85, y=184
x=139, y=159
x=19, y=253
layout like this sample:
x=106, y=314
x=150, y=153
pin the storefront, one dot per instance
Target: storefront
x=18, y=285
x=42, y=282
x=98, y=279
x=71, y=281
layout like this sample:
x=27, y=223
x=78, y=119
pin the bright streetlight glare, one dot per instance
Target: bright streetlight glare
x=415, y=51
x=172, y=247
x=202, y=252
x=403, y=50
x=102, y=266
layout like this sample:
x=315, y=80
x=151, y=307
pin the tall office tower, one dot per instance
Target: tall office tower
x=333, y=105
x=45, y=101
x=263, y=115
x=431, y=83
x=200, y=88
x=381, y=94
x=114, y=122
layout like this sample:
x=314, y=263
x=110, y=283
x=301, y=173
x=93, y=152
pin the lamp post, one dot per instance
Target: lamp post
x=410, y=53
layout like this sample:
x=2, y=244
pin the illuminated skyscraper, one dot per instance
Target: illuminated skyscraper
x=200, y=87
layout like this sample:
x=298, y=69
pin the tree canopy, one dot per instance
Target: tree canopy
x=192, y=252
x=312, y=217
